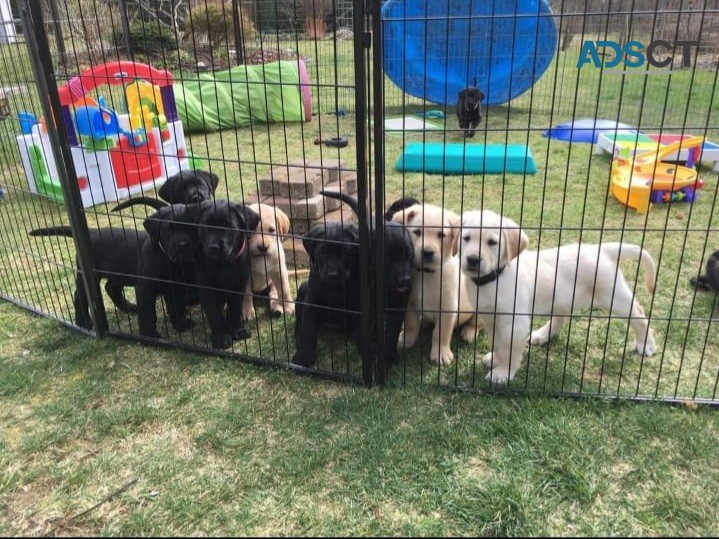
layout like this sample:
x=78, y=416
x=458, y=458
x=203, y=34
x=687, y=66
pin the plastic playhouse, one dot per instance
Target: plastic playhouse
x=115, y=155
x=648, y=176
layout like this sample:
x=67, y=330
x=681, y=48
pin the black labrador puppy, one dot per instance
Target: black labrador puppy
x=710, y=279
x=223, y=267
x=398, y=267
x=468, y=111
x=331, y=295
x=116, y=253
x=166, y=266
x=185, y=187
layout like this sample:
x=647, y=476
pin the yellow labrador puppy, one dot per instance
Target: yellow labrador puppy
x=267, y=259
x=439, y=293
x=512, y=284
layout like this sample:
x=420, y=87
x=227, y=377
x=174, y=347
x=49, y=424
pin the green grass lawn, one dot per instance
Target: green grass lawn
x=207, y=446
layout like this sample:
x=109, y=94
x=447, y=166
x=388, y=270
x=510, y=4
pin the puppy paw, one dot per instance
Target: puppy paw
x=499, y=375
x=405, y=342
x=441, y=355
x=303, y=360
x=153, y=334
x=539, y=337
x=240, y=333
x=468, y=333
x=648, y=349
x=221, y=342
x=391, y=358
x=249, y=313
x=488, y=359
x=183, y=324
x=289, y=308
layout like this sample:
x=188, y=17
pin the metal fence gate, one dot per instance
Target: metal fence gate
x=577, y=122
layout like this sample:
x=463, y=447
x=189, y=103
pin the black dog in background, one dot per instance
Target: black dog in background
x=398, y=267
x=185, y=187
x=468, y=109
x=710, y=279
x=331, y=295
x=223, y=267
x=116, y=253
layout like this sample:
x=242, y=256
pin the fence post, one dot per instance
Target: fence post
x=379, y=175
x=50, y=100
x=368, y=296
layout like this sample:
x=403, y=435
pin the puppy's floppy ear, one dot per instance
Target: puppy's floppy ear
x=256, y=208
x=455, y=226
x=406, y=214
x=249, y=218
x=310, y=240
x=168, y=190
x=515, y=240
x=153, y=224
x=283, y=222
x=458, y=237
x=210, y=178
x=481, y=94
x=399, y=204
x=350, y=232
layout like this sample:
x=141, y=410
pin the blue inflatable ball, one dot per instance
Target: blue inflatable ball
x=433, y=49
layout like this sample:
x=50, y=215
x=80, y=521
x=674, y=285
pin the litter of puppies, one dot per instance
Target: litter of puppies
x=458, y=273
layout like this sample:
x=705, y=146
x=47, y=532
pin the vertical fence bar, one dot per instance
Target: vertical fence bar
x=42, y=66
x=379, y=184
x=361, y=43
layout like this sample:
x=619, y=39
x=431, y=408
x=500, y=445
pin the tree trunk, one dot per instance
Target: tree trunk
x=315, y=27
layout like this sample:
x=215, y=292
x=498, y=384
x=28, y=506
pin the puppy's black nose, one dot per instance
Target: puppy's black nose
x=427, y=254
x=213, y=247
x=196, y=198
x=262, y=248
x=404, y=282
x=472, y=261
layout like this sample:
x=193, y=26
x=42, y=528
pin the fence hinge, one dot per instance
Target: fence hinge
x=367, y=40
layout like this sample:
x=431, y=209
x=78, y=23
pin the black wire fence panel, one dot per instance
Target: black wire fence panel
x=502, y=130
x=540, y=66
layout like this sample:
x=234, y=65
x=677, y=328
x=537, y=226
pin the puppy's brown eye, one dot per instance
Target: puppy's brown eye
x=466, y=238
x=492, y=242
x=441, y=234
x=271, y=229
x=417, y=232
